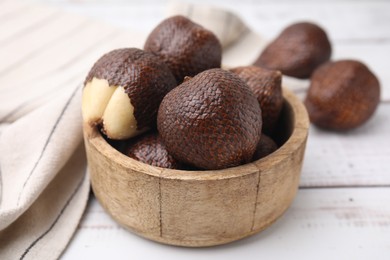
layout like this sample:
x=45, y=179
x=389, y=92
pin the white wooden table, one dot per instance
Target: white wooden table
x=342, y=210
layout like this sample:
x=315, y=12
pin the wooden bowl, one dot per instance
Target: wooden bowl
x=200, y=208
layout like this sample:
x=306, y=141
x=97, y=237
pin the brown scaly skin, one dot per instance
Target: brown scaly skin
x=266, y=85
x=265, y=147
x=342, y=95
x=186, y=47
x=297, y=51
x=150, y=149
x=212, y=121
x=143, y=76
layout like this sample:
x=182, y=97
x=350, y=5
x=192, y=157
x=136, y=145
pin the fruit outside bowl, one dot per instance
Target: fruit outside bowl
x=201, y=208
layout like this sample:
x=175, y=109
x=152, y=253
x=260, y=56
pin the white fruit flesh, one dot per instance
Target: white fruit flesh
x=111, y=106
x=118, y=118
x=96, y=95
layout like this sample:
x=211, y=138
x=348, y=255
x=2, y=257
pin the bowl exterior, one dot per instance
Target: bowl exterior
x=198, y=208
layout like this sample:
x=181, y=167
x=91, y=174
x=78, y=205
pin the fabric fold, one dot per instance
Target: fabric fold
x=47, y=226
x=33, y=149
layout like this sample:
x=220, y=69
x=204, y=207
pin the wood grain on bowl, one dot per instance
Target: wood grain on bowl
x=200, y=208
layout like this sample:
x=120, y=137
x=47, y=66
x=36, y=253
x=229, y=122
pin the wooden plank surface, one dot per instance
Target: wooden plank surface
x=357, y=158
x=44, y=50
x=321, y=224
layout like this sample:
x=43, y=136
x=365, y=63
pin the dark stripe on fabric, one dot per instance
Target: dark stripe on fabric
x=47, y=142
x=55, y=220
x=25, y=103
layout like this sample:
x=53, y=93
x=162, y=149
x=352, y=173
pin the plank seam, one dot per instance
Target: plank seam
x=257, y=197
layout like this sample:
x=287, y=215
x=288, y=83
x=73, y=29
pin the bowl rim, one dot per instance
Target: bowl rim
x=296, y=139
